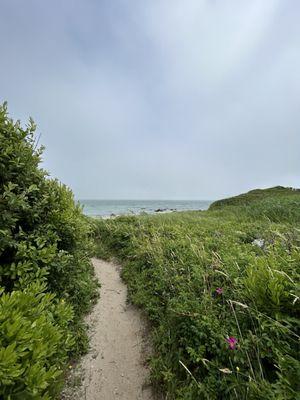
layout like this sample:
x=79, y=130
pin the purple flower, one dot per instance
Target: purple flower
x=219, y=290
x=232, y=341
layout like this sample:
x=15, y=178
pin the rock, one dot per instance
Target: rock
x=258, y=242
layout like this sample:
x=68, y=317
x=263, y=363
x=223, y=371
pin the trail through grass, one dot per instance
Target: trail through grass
x=221, y=289
x=115, y=366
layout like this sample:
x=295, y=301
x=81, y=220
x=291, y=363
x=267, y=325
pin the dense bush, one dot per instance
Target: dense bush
x=35, y=339
x=46, y=279
x=222, y=291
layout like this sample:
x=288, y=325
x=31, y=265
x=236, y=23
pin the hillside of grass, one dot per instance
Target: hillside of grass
x=277, y=193
x=47, y=282
x=221, y=289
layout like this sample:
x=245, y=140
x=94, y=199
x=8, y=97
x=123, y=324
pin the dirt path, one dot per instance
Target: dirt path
x=115, y=368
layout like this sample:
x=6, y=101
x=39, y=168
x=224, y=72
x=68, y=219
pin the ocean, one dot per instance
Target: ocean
x=105, y=208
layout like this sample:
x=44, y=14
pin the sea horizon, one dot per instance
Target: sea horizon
x=108, y=207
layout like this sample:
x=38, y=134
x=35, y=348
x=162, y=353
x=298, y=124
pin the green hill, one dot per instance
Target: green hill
x=277, y=192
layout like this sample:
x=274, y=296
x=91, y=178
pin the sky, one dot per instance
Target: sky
x=157, y=99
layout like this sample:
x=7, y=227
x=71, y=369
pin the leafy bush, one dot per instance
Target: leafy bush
x=44, y=243
x=222, y=291
x=35, y=339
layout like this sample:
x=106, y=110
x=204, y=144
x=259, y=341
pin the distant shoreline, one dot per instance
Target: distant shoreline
x=112, y=208
x=113, y=216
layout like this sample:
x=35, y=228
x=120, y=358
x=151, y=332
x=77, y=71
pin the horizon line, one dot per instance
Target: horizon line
x=84, y=199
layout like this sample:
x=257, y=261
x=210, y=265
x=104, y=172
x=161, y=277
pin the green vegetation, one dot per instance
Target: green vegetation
x=46, y=280
x=257, y=195
x=221, y=288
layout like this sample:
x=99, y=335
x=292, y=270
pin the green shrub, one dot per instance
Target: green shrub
x=44, y=239
x=34, y=343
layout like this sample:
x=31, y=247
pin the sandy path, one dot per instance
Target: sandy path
x=114, y=369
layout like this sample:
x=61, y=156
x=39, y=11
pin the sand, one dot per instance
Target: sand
x=115, y=368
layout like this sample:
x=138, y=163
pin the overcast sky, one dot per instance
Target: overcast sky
x=158, y=99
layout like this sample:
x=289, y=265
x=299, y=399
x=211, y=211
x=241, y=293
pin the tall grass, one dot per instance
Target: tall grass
x=222, y=291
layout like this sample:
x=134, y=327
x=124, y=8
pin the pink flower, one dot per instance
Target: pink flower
x=232, y=341
x=219, y=290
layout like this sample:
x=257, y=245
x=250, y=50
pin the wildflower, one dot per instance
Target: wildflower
x=232, y=341
x=219, y=290
x=70, y=366
x=237, y=369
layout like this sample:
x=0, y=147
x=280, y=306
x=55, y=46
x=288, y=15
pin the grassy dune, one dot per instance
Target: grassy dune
x=221, y=289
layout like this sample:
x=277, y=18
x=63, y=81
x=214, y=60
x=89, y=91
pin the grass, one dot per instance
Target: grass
x=209, y=280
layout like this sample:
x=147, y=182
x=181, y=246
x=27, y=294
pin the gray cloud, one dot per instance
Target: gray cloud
x=158, y=99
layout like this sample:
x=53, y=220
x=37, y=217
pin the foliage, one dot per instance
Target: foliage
x=44, y=261
x=221, y=288
x=35, y=339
